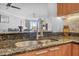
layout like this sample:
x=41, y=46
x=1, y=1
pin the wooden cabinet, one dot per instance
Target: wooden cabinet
x=70, y=49
x=66, y=8
x=53, y=51
x=42, y=52
x=62, y=50
x=66, y=50
x=26, y=54
x=75, y=49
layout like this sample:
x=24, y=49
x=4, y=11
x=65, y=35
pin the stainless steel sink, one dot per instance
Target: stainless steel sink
x=54, y=39
x=43, y=41
x=26, y=43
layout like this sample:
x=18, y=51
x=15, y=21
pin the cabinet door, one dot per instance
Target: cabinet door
x=26, y=54
x=62, y=50
x=75, y=49
x=43, y=52
x=53, y=51
x=66, y=50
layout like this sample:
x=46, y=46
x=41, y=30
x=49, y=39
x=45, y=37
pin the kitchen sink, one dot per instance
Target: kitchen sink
x=54, y=40
x=42, y=42
x=26, y=43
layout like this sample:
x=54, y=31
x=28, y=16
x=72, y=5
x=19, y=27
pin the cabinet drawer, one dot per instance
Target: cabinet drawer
x=43, y=52
x=54, y=51
x=62, y=50
x=26, y=54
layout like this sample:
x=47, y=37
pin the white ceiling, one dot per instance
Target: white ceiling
x=27, y=9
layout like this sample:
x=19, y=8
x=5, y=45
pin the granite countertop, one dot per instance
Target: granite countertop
x=14, y=32
x=14, y=50
x=17, y=32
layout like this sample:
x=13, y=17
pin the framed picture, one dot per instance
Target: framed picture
x=4, y=19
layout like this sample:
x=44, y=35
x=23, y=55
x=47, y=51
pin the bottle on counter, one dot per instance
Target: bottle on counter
x=45, y=27
x=66, y=31
x=20, y=28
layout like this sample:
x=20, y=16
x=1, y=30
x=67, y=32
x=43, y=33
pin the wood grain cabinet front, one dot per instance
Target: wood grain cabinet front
x=53, y=51
x=67, y=8
x=26, y=54
x=62, y=50
x=66, y=50
x=69, y=49
x=75, y=49
x=42, y=52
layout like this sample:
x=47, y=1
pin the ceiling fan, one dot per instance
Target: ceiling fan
x=10, y=5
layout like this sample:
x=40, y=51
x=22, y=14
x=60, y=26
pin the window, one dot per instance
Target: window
x=32, y=25
x=4, y=19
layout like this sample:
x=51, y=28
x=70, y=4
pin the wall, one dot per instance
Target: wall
x=28, y=10
x=14, y=22
x=48, y=11
x=52, y=8
x=57, y=24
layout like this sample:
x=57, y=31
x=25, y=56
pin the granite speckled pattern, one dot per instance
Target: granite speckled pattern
x=14, y=50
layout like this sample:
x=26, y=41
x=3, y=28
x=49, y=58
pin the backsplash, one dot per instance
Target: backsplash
x=10, y=37
x=73, y=22
x=21, y=36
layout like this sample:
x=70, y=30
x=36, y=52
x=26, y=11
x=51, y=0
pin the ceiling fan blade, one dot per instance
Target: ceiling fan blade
x=8, y=4
x=15, y=7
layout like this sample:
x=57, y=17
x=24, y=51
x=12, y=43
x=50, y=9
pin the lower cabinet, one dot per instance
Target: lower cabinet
x=26, y=54
x=61, y=50
x=42, y=52
x=75, y=49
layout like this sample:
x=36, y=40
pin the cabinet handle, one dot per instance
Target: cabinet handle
x=41, y=52
x=53, y=49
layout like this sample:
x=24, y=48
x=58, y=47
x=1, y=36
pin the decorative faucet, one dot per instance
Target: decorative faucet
x=41, y=30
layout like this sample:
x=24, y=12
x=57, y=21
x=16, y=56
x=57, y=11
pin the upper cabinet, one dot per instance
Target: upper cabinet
x=67, y=8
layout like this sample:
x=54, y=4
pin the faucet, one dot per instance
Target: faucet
x=39, y=35
x=41, y=30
